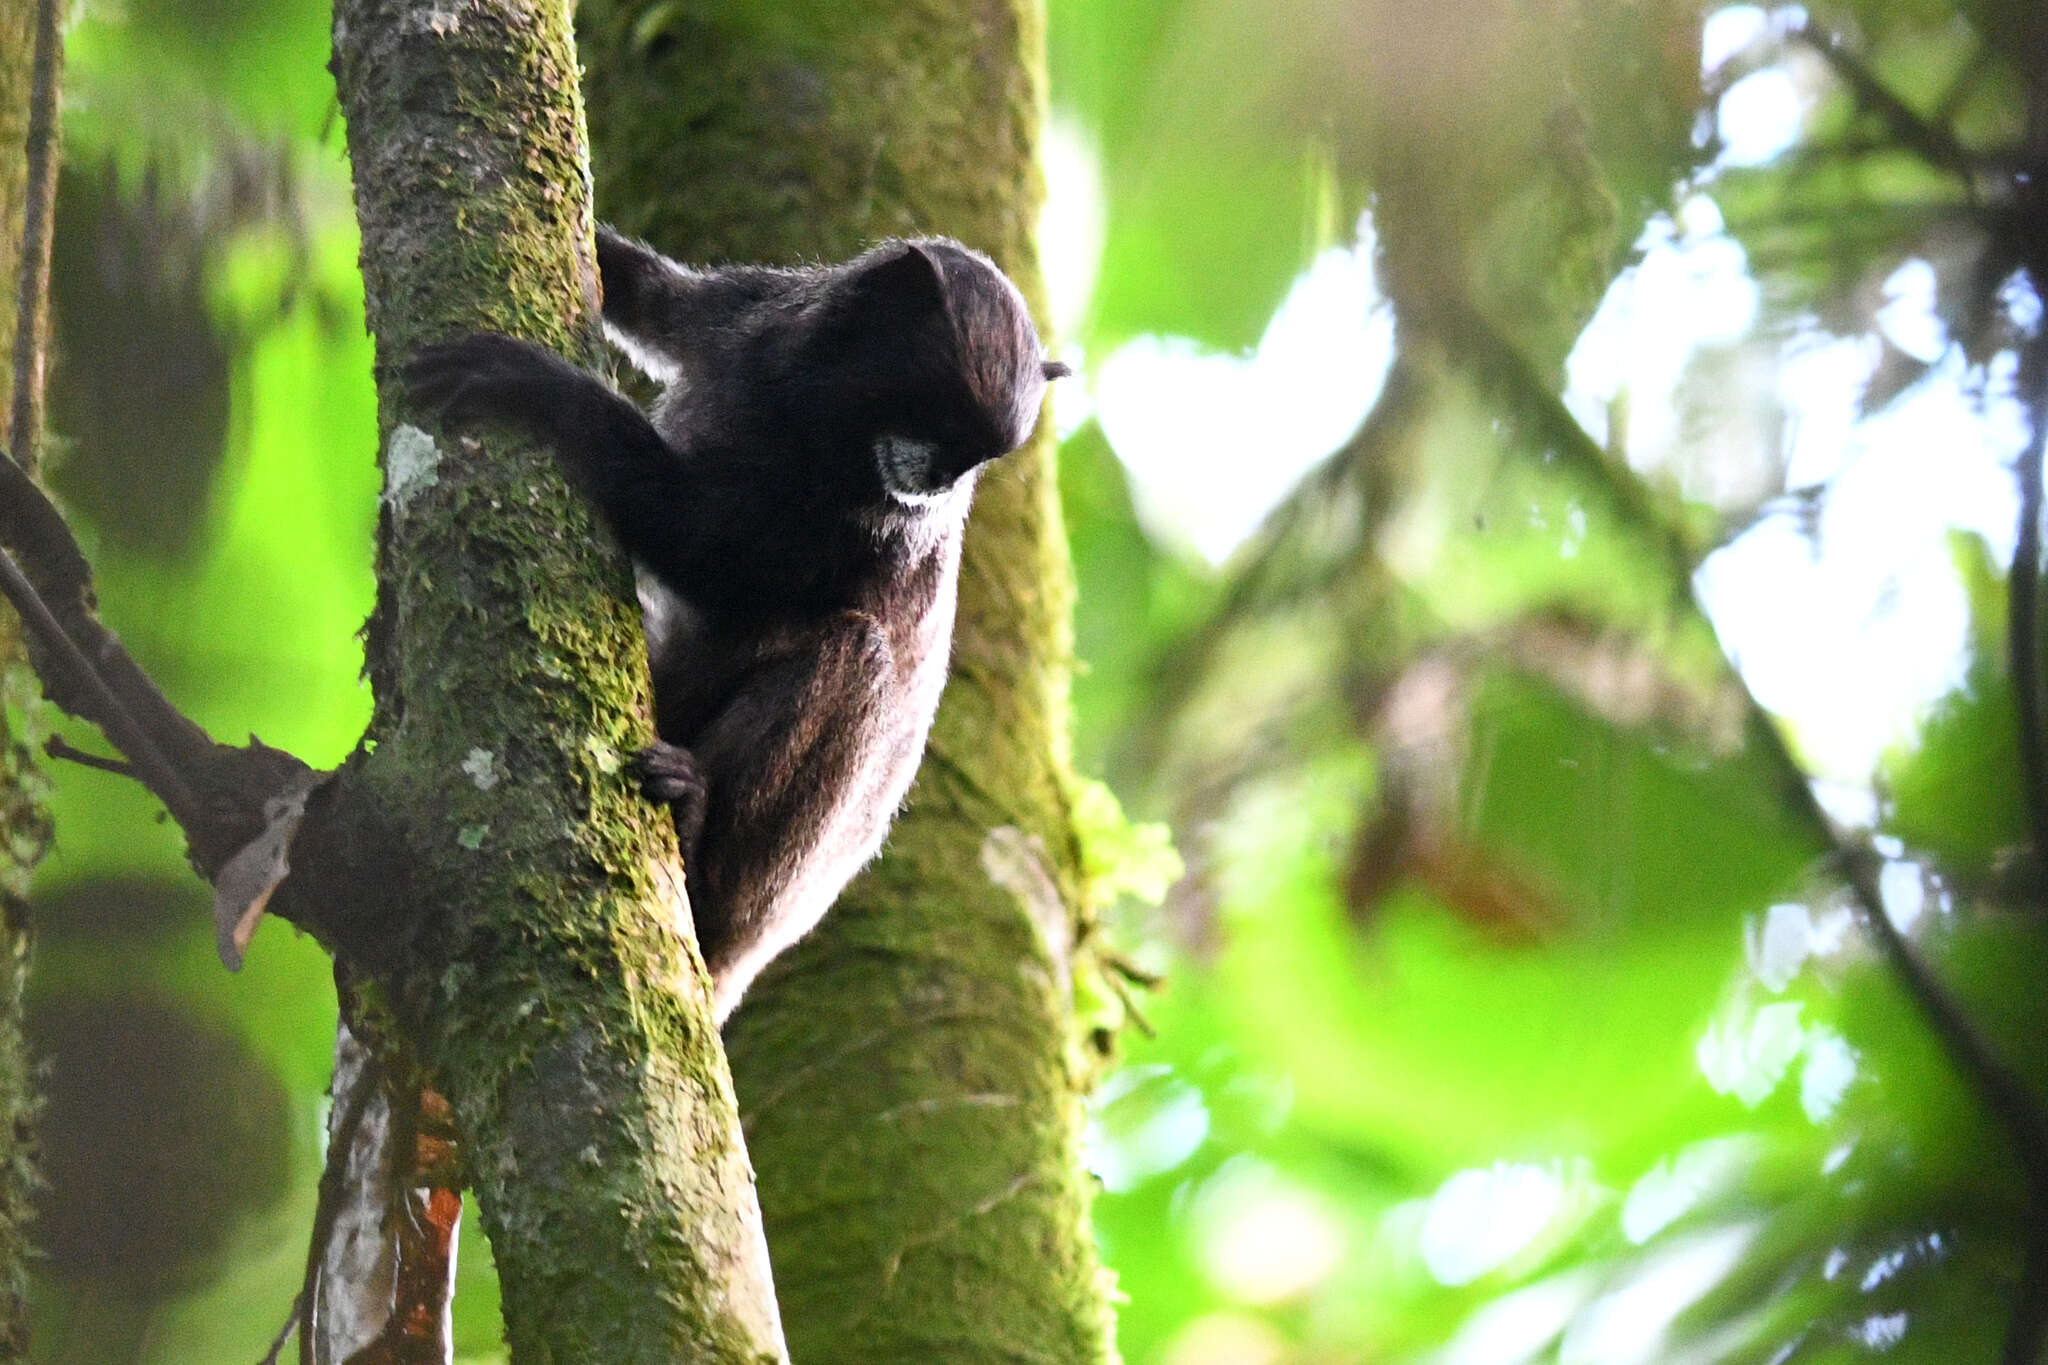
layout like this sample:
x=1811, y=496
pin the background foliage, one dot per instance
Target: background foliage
x=1510, y=1012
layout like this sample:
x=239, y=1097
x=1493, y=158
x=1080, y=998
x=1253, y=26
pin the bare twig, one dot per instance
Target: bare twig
x=1132, y=972
x=284, y=1333
x=47, y=579
x=217, y=793
x=56, y=747
x=121, y=726
x=108, y=710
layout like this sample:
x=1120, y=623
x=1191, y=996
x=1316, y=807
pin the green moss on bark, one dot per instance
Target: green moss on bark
x=903, y=1073
x=554, y=994
x=24, y=828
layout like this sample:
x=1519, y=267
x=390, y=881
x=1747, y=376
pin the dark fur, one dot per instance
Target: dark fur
x=799, y=612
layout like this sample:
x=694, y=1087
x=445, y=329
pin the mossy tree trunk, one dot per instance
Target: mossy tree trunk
x=904, y=1074
x=553, y=993
x=23, y=830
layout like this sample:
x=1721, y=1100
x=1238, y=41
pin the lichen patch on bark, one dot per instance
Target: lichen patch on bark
x=1017, y=862
x=411, y=466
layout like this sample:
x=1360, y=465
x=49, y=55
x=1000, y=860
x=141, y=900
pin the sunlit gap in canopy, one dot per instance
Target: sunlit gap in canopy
x=1483, y=1219
x=1214, y=441
x=1264, y=1239
x=1851, y=622
x=1762, y=113
x=1143, y=1121
x=1853, y=625
x=1630, y=1322
x=1584, y=1318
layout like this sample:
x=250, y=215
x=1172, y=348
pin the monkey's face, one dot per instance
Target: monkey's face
x=933, y=435
x=935, y=367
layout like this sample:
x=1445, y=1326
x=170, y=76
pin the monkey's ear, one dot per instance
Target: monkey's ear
x=903, y=275
x=1055, y=369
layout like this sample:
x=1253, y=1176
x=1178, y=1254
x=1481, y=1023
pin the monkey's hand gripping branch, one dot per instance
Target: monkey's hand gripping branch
x=239, y=807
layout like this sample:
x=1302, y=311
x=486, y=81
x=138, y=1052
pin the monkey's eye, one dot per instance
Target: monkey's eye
x=909, y=468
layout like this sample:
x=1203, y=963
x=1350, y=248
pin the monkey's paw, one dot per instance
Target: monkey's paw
x=669, y=775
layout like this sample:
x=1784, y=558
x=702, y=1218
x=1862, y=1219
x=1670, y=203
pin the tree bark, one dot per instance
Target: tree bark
x=904, y=1074
x=27, y=31
x=552, y=990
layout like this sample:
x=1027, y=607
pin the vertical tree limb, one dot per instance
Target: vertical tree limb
x=2023, y=612
x=30, y=59
x=552, y=992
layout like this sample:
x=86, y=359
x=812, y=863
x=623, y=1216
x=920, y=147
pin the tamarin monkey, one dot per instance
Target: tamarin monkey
x=794, y=501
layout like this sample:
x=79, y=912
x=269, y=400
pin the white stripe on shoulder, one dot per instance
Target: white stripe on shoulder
x=660, y=368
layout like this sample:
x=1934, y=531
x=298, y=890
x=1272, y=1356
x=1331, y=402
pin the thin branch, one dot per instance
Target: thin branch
x=1132, y=972
x=56, y=747
x=1932, y=141
x=49, y=557
x=284, y=1333
x=109, y=711
x=32, y=285
x=2028, y=1329
x=2029, y=1326
x=215, y=792
x=1951, y=102
x=1122, y=990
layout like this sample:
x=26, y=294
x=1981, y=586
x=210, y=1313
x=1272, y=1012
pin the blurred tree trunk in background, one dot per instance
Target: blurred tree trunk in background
x=23, y=830
x=906, y=1078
